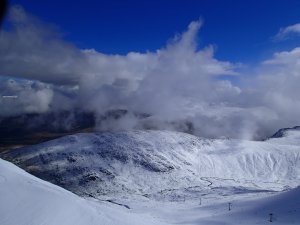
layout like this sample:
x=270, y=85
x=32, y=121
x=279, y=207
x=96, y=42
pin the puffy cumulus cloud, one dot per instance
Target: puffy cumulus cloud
x=169, y=79
x=287, y=31
x=34, y=50
x=287, y=58
x=21, y=96
x=178, y=87
x=278, y=85
x=24, y=97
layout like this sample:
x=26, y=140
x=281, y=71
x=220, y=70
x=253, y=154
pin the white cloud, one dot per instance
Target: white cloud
x=31, y=97
x=291, y=58
x=287, y=31
x=178, y=85
x=33, y=50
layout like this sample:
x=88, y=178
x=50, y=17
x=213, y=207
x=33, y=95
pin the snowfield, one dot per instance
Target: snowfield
x=245, y=210
x=162, y=164
x=153, y=177
x=26, y=199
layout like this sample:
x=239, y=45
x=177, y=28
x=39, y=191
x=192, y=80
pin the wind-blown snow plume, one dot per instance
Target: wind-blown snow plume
x=177, y=87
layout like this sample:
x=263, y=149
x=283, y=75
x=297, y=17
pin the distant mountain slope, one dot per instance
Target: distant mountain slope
x=284, y=132
x=28, y=129
x=287, y=136
x=26, y=199
x=160, y=163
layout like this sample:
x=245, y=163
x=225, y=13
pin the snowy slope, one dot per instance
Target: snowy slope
x=245, y=210
x=286, y=136
x=285, y=209
x=162, y=164
x=29, y=200
x=26, y=199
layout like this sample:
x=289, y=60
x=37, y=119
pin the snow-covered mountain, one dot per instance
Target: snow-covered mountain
x=285, y=132
x=162, y=164
x=26, y=199
x=286, y=136
x=280, y=208
x=128, y=171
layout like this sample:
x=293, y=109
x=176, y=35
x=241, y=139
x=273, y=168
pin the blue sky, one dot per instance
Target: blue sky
x=241, y=30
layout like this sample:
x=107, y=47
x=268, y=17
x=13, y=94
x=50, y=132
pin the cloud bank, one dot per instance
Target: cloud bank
x=177, y=87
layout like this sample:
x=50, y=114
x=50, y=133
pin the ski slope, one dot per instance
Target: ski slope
x=26, y=200
x=285, y=209
x=245, y=210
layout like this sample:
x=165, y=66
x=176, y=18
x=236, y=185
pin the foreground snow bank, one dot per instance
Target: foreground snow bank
x=26, y=199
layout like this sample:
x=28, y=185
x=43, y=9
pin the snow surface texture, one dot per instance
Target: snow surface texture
x=195, y=180
x=286, y=136
x=163, y=165
x=285, y=209
x=26, y=200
